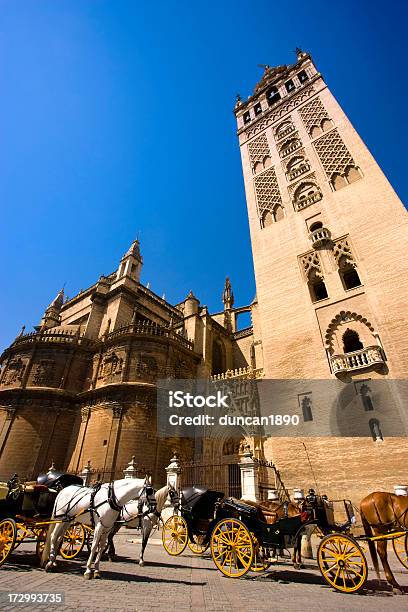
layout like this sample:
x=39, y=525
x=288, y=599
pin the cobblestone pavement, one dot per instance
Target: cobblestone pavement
x=186, y=582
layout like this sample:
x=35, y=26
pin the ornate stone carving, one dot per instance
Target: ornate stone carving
x=258, y=150
x=44, y=375
x=333, y=154
x=267, y=191
x=85, y=412
x=343, y=254
x=111, y=364
x=313, y=114
x=282, y=110
x=311, y=264
x=14, y=371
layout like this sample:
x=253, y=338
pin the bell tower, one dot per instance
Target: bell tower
x=329, y=239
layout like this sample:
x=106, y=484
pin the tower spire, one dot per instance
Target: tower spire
x=131, y=262
x=52, y=313
x=228, y=295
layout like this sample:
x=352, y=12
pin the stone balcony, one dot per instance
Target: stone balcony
x=148, y=329
x=240, y=373
x=286, y=132
x=298, y=171
x=289, y=149
x=305, y=202
x=358, y=360
x=320, y=237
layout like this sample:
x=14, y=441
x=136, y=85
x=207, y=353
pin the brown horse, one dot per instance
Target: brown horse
x=383, y=513
x=271, y=511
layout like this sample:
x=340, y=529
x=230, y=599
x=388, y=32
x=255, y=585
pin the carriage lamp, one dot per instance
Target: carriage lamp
x=298, y=494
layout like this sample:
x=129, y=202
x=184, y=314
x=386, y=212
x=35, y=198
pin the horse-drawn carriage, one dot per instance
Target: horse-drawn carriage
x=245, y=536
x=25, y=514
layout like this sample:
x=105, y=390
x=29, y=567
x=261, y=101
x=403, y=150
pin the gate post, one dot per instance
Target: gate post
x=130, y=471
x=249, y=476
x=173, y=472
x=86, y=474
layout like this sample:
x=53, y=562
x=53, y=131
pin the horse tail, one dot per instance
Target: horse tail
x=369, y=533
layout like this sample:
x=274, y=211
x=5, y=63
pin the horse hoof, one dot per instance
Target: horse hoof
x=302, y=566
x=296, y=566
x=397, y=591
x=88, y=575
x=141, y=563
x=97, y=576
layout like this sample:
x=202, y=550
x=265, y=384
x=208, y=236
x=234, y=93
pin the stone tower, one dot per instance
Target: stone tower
x=329, y=239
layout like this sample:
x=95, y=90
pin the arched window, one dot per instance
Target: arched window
x=338, y=181
x=283, y=128
x=218, y=357
x=317, y=287
x=351, y=341
x=267, y=218
x=375, y=429
x=365, y=393
x=307, y=408
x=326, y=125
x=272, y=95
x=278, y=213
x=315, y=226
x=348, y=274
x=352, y=174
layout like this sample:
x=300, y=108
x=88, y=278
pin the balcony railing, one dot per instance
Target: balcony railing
x=54, y=336
x=150, y=329
x=320, y=236
x=364, y=358
x=303, y=203
x=285, y=132
x=243, y=373
x=298, y=171
x=289, y=149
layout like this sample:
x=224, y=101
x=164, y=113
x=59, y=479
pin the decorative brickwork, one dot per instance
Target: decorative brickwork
x=313, y=114
x=267, y=191
x=342, y=252
x=333, y=154
x=258, y=150
x=311, y=264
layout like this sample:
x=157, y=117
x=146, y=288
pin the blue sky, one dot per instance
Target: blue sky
x=116, y=119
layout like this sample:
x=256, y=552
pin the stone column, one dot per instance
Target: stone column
x=173, y=472
x=10, y=412
x=249, y=476
x=113, y=441
x=77, y=455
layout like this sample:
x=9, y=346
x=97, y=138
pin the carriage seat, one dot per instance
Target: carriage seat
x=265, y=514
x=3, y=490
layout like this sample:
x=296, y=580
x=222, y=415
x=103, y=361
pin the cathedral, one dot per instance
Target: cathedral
x=329, y=239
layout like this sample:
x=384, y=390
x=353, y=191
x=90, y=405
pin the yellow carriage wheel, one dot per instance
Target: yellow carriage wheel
x=400, y=546
x=232, y=548
x=342, y=563
x=8, y=533
x=73, y=541
x=175, y=535
x=41, y=535
x=260, y=562
x=197, y=547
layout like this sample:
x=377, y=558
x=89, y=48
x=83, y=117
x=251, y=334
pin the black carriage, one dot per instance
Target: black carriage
x=192, y=524
x=25, y=514
x=242, y=539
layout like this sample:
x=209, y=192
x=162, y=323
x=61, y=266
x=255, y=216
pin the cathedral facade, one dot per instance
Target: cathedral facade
x=329, y=237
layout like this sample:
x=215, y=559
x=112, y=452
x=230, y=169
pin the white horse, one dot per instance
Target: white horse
x=144, y=516
x=77, y=503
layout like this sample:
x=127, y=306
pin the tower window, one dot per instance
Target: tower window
x=316, y=226
x=375, y=429
x=290, y=86
x=258, y=109
x=247, y=117
x=350, y=278
x=317, y=287
x=302, y=76
x=273, y=96
x=351, y=341
x=306, y=404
